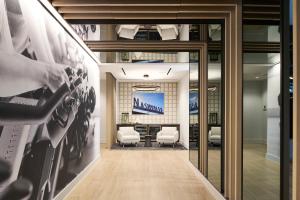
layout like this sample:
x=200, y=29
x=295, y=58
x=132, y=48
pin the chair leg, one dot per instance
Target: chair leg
x=136, y=144
x=173, y=145
x=123, y=145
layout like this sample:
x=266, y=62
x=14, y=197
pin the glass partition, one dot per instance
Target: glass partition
x=214, y=103
x=261, y=126
x=194, y=110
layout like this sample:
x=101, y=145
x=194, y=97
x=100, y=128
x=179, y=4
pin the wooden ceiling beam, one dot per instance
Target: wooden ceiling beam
x=134, y=45
x=136, y=16
x=138, y=9
x=130, y=3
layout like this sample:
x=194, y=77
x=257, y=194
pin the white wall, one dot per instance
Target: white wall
x=184, y=34
x=273, y=133
x=183, y=110
x=103, y=106
x=255, y=117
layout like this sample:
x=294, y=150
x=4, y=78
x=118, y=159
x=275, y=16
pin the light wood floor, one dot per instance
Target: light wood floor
x=141, y=175
x=214, y=167
x=261, y=176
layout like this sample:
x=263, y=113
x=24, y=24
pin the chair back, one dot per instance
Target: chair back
x=215, y=130
x=126, y=129
x=169, y=130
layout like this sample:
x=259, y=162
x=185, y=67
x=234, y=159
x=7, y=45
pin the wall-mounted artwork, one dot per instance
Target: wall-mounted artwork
x=49, y=100
x=193, y=103
x=148, y=103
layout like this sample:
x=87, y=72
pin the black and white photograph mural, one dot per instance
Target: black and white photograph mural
x=49, y=103
x=87, y=31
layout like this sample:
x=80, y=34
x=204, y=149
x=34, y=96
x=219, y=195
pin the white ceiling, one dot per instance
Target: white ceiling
x=256, y=71
x=156, y=71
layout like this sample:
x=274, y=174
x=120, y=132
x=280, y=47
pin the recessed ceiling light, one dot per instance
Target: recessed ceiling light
x=257, y=77
x=145, y=88
x=123, y=71
x=169, y=71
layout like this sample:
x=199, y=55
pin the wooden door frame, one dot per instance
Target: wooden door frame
x=232, y=16
x=173, y=46
x=194, y=12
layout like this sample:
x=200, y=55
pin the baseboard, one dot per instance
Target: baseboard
x=272, y=157
x=211, y=189
x=64, y=192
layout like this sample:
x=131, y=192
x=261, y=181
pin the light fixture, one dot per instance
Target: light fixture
x=167, y=31
x=146, y=75
x=123, y=71
x=169, y=71
x=145, y=88
x=127, y=31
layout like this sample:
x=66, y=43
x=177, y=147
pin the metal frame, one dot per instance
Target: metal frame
x=296, y=98
x=284, y=100
x=220, y=49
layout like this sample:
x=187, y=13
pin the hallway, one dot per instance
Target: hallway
x=147, y=175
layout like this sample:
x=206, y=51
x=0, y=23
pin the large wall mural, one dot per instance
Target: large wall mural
x=49, y=103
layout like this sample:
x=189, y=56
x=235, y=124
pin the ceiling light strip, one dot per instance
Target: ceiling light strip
x=123, y=71
x=169, y=71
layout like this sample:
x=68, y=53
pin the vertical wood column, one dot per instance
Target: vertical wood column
x=233, y=105
x=203, y=32
x=203, y=65
x=296, y=98
x=203, y=109
x=110, y=109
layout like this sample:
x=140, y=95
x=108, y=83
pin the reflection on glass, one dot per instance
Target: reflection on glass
x=144, y=32
x=194, y=110
x=214, y=97
x=261, y=33
x=261, y=126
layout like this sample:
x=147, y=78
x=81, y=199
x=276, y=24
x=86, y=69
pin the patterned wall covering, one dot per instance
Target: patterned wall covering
x=214, y=101
x=125, y=103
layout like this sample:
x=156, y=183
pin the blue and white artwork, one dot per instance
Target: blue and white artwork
x=193, y=103
x=148, y=103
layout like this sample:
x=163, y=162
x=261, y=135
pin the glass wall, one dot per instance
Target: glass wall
x=214, y=109
x=267, y=102
x=194, y=110
x=261, y=126
x=214, y=102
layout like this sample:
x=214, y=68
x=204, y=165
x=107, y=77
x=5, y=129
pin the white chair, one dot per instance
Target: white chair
x=127, y=135
x=214, y=135
x=168, y=135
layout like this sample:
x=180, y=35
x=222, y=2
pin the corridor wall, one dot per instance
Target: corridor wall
x=49, y=99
